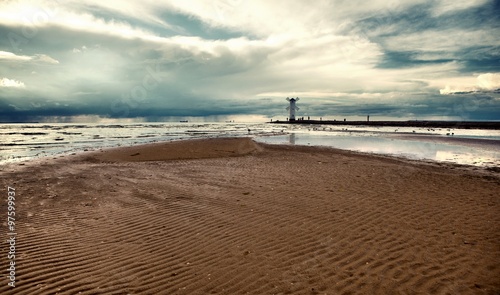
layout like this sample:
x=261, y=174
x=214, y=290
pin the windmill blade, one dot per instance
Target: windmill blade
x=297, y=98
x=297, y=108
x=287, y=108
x=288, y=99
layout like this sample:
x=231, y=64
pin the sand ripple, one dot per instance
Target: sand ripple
x=272, y=221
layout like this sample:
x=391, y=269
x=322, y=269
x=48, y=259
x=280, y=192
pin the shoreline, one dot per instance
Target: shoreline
x=135, y=156
x=79, y=140
x=232, y=216
x=133, y=153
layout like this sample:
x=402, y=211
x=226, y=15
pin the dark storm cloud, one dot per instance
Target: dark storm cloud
x=404, y=59
x=420, y=18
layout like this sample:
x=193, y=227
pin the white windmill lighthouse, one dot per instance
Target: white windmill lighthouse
x=292, y=108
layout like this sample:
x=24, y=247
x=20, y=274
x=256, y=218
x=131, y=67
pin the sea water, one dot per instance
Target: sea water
x=19, y=142
x=28, y=141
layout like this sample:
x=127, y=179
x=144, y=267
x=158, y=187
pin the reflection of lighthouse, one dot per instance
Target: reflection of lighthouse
x=292, y=107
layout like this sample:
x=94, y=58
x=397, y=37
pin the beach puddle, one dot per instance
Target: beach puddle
x=454, y=152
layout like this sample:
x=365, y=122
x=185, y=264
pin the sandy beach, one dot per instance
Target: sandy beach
x=230, y=216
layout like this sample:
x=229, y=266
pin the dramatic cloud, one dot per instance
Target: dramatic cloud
x=227, y=59
x=484, y=83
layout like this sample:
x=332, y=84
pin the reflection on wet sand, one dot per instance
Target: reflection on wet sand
x=460, y=151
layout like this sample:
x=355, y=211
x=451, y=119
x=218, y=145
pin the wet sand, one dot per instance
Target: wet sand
x=230, y=216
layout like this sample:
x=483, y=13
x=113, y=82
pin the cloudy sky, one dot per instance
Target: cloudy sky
x=77, y=61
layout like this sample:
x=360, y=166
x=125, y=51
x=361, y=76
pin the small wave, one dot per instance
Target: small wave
x=25, y=144
x=44, y=146
x=69, y=133
x=202, y=131
x=25, y=133
x=110, y=126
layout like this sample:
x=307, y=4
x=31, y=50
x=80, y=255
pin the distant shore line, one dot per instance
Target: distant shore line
x=422, y=124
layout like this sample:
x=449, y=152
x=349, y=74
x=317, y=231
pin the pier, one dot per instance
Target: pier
x=411, y=123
